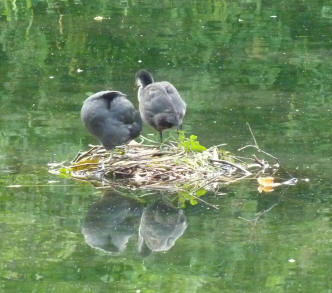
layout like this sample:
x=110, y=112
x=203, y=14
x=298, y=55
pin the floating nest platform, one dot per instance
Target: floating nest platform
x=177, y=166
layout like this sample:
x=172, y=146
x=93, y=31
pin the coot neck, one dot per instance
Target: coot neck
x=146, y=79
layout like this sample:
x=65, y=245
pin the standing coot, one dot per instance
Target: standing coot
x=111, y=118
x=160, y=104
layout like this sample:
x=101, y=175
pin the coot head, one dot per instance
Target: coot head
x=143, y=78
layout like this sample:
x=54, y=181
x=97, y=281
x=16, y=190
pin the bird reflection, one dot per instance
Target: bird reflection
x=161, y=225
x=114, y=219
x=111, y=222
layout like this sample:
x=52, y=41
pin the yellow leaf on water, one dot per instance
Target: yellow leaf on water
x=266, y=184
x=265, y=181
x=262, y=188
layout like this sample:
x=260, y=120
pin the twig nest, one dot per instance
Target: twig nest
x=173, y=167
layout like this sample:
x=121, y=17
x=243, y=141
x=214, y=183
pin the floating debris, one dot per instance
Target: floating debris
x=52, y=181
x=99, y=18
x=14, y=186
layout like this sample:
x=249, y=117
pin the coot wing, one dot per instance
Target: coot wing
x=177, y=101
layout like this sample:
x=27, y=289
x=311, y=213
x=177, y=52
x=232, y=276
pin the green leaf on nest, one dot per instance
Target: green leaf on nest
x=65, y=172
x=200, y=192
x=191, y=143
x=184, y=197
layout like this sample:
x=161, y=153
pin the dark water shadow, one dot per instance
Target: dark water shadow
x=161, y=225
x=113, y=220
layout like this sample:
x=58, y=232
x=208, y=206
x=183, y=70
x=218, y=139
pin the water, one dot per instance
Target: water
x=234, y=62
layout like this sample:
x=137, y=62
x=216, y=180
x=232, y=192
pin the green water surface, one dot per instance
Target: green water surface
x=268, y=63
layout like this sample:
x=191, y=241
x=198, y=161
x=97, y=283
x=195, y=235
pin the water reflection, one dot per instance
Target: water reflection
x=161, y=225
x=112, y=221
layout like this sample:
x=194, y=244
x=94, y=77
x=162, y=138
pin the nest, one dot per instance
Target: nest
x=183, y=166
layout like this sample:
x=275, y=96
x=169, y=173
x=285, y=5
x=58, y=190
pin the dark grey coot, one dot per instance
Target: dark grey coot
x=111, y=118
x=160, y=104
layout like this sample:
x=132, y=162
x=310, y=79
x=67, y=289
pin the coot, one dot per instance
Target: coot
x=111, y=118
x=160, y=104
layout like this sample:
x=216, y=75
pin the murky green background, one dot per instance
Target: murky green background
x=268, y=63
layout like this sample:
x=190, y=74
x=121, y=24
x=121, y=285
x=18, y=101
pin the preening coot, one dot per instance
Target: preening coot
x=111, y=118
